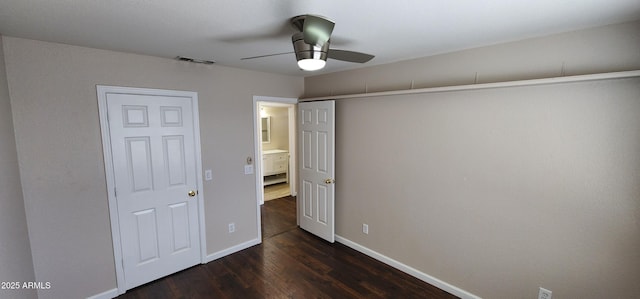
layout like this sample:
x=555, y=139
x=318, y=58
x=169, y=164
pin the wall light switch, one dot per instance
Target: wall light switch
x=208, y=175
x=248, y=169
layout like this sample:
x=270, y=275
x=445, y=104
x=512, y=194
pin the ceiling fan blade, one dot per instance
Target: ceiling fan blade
x=268, y=55
x=349, y=56
x=317, y=30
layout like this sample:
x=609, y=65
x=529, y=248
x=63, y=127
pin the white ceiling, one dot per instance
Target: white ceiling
x=227, y=30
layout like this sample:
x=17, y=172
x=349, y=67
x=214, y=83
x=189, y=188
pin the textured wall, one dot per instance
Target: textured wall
x=15, y=252
x=499, y=191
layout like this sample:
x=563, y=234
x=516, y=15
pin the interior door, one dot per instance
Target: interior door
x=317, y=168
x=154, y=163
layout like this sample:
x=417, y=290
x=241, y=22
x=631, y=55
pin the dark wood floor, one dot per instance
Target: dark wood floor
x=278, y=216
x=290, y=263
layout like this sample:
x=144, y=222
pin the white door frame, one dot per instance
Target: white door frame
x=289, y=102
x=102, y=91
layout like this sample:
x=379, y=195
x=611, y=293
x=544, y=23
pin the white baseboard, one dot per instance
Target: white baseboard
x=106, y=294
x=230, y=250
x=407, y=269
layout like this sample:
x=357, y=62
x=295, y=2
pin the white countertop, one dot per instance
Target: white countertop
x=274, y=151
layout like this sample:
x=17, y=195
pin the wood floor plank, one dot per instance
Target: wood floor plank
x=290, y=263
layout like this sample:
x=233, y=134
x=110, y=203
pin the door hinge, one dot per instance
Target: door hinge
x=115, y=192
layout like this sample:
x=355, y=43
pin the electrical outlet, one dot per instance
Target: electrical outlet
x=365, y=229
x=544, y=293
x=232, y=227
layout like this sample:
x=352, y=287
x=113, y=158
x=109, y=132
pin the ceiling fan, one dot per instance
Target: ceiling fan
x=311, y=44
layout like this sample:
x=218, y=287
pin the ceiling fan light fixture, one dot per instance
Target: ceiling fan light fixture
x=311, y=64
x=309, y=57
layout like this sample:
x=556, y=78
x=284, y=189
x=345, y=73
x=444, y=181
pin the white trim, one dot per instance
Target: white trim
x=105, y=295
x=109, y=172
x=233, y=249
x=257, y=140
x=102, y=91
x=293, y=151
x=199, y=178
x=545, y=81
x=407, y=269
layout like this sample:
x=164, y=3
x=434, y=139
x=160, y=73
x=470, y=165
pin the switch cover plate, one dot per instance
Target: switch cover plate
x=248, y=169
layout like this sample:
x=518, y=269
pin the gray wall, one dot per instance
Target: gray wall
x=15, y=252
x=53, y=96
x=500, y=191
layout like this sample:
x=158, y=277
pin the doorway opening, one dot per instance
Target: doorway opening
x=274, y=133
x=275, y=150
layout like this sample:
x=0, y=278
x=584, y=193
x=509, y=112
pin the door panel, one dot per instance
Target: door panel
x=317, y=135
x=323, y=204
x=174, y=159
x=147, y=235
x=180, y=227
x=323, y=164
x=154, y=161
x=139, y=163
x=306, y=150
x=306, y=198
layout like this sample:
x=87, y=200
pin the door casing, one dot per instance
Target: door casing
x=102, y=91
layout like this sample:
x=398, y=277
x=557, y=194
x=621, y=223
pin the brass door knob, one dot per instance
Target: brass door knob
x=329, y=181
x=192, y=193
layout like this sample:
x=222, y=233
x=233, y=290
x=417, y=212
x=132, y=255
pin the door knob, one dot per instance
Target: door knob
x=192, y=193
x=329, y=181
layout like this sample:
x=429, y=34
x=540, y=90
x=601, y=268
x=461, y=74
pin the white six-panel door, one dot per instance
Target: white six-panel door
x=317, y=169
x=155, y=175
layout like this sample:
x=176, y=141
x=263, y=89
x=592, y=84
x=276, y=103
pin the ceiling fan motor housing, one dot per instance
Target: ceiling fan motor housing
x=307, y=51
